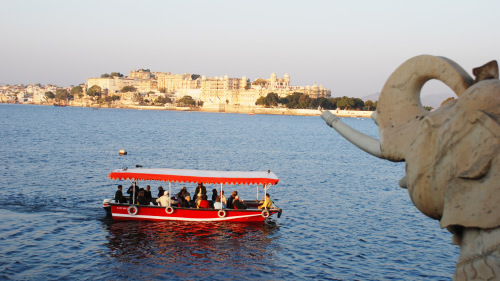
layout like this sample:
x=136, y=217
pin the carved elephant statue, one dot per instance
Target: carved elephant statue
x=452, y=154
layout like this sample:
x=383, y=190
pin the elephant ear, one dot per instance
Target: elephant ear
x=473, y=192
x=399, y=109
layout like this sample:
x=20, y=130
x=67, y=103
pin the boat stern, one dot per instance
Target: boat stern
x=107, y=207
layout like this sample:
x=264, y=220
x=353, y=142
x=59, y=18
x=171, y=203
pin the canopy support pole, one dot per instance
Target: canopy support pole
x=265, y=192
x=169, y=192
x=133, y=191
x=220, y=196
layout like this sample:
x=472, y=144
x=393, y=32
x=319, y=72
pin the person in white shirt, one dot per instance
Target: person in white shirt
x=164, y=199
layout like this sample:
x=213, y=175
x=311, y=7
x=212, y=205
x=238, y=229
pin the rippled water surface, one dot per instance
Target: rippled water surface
x=344, y=217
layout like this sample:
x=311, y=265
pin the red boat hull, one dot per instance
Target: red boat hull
x=156, y=213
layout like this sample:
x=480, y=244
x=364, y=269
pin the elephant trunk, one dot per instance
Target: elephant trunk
x=365, y=142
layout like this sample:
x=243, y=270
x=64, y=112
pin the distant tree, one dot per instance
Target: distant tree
x=62, y=95
x=94, y=91
x=261, y=101
x=195, y=76
x=187, y=101
x=293, y=100
x=49, y=95
x=428, y=108
x=127, y=89
x=333, y=102
x=284, y=101
x=359, y=104
x=369, y=105
x=304, y=101
x=345, y=103
x=138, y=98
x=77, y=91
x=322, y=102
x=163, y=90
x=115, y=74
x=270, y=100
x=115, y=97
x=162, y=100
x=260, y=81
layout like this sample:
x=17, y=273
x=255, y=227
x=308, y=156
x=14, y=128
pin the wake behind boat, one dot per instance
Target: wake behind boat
x=173, y=209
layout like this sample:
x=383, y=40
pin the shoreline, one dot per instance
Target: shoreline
x=233, y=109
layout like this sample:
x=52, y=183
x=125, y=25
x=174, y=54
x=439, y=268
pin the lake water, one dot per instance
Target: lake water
x=344, y=216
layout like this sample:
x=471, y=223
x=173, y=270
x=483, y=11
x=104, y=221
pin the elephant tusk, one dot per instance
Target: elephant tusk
x=363, y=141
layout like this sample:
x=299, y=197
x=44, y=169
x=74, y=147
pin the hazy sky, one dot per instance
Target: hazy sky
x=349, y=46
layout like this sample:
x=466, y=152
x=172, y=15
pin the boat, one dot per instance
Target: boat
x=172, y=212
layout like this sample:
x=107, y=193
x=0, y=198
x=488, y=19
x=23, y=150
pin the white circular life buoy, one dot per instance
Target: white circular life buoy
x=221, y=213
x=169, y=210
x=133, y=210
x=265, y=213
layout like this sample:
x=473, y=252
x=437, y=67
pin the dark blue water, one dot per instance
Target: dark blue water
x=344, y=216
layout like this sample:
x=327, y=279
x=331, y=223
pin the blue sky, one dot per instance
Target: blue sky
x=350, y=47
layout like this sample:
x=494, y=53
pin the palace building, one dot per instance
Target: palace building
x=209, y=90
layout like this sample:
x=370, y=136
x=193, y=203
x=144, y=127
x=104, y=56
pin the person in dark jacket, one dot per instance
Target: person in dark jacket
x=200, y=190
x=230, y=200
x=214, y=194
x=147, y=194
x=141, y=197
x=239, y=204
x=131, y=192
x=119, y=198
x=188, y=203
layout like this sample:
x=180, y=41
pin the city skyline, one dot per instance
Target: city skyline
x=348, y=47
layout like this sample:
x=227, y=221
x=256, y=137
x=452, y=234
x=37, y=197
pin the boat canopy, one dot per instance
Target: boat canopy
x=186, y=175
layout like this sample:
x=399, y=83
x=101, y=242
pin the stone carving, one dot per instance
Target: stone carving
x=451, y=154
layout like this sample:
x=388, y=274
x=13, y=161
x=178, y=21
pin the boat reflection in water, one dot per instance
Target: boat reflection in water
x=190, y=250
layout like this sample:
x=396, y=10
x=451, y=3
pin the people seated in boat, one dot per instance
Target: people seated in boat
x=214, y=194
x=119, y=198
x=131, y=193
x=147, y=194
x=200, y=190
x=141, y=197
x=188, y=203
x=230, y=200
x=186, y=192
x=223, y=199
x=203, y=203
x=267, y=203
x=239, y=204
x=218, y=204
x=160, y=191
x=182, y=193
x=163, y=200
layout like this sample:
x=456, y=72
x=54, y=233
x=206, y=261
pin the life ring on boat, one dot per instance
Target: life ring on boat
x=169, y=210
x=132, y=210
x=265, y=213
x=221, y=213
